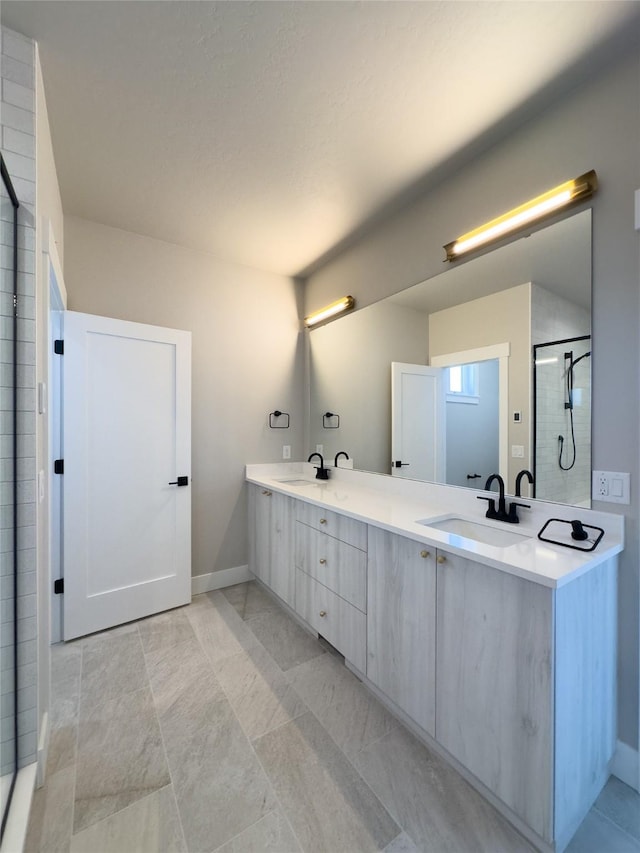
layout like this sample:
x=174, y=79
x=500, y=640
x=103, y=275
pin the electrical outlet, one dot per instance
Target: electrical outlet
x=612, y=486
x=517, y=451
x=286, y=451
x=319, y=448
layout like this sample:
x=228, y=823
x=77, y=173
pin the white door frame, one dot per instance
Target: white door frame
x=55, y=294
x=470, y=356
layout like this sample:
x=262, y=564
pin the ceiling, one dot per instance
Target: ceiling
x=268, y=133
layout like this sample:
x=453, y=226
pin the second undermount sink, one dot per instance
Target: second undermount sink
x=476, y=531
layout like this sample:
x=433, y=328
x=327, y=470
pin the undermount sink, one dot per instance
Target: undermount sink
x=476, y=531
x=297, y=482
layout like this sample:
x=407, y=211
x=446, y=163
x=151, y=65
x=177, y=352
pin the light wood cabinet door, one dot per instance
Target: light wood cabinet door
x=495, y=691
x=401, y=623
x=282, y=579
x=271, y=540
x=259, y=526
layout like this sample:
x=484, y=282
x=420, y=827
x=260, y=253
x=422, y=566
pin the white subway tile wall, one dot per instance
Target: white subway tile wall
x=17, y=130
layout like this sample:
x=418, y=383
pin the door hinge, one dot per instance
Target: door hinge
x=58, y=347
x=58, y=586
x=58, y=466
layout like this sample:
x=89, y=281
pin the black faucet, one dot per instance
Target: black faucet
x=322, y=473
x=523, y=473
x=338, y=454
x=501, y=513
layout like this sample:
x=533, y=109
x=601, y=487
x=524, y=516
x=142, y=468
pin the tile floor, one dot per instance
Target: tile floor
x=223, y=726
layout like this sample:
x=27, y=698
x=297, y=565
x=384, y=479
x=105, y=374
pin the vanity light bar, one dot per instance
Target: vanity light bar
x=337, y=307
x=532, y=211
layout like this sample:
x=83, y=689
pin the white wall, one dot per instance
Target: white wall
x=247, y=360
x=597, y=126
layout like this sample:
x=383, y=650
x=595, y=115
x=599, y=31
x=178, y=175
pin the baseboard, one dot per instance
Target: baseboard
x=15, y=831
x=218, y=580
x=625, y=764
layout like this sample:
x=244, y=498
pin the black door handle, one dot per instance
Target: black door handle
x=399, y=464
x=181, y=481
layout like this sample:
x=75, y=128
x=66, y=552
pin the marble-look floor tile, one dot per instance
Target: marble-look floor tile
x=327, y=803
x=219, y=629
x=63, y=741
x=349, y=712
x=258, y=691
x=437, y=808
x=51, y=818
x=249, y=599
x=288, y=643
x=179, y=669
x=66, y=663
x=401, y=844
x=621, y=804
x=120, y=756
x=597, y=834
x=111, y=666
x=272, y=834
x=66, y=660
x=165, y=630
x=219, y=784
x=66, y=666
x=150, y=824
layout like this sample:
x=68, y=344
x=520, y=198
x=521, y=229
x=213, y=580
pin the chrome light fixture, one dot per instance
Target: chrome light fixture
x=337, y=307
x=532, y=211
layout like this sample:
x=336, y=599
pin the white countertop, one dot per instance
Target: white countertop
x=397, y=505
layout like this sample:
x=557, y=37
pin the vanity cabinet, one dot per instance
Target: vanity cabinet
x=271, y=540
x=514, y=679
x=331, y=579
x=401, y=625
x=494, y=701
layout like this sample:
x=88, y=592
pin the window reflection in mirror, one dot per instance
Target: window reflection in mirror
x=531, y=293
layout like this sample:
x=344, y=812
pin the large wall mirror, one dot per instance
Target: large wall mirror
x=491, y=367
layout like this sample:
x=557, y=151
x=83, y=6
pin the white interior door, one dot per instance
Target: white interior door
x=417, y=422
x=127, y=439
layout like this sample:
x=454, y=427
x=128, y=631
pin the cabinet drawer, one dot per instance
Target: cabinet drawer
x=338, y=566
x=339, y=526
x=343, y=625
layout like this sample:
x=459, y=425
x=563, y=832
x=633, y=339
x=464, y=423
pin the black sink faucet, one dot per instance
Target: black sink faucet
x=523, y=473
x=501, y=512
x=338, y=455
x=322, y=473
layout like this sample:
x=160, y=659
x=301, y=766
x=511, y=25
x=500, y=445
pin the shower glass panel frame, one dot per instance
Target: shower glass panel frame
x=562, y=417
x=8, y=504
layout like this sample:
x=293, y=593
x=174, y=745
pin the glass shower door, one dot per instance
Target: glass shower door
x=8, y=499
